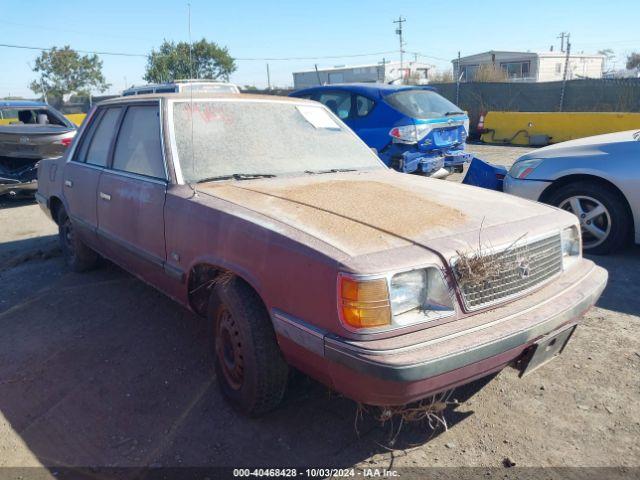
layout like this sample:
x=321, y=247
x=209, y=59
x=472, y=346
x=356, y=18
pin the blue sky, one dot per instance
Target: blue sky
x=251, y=28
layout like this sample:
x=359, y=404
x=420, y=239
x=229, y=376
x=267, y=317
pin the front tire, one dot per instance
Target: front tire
x=250, y=370
x=604, y=217
x=78, y=256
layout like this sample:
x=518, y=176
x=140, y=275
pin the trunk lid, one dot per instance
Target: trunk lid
x=33, y=141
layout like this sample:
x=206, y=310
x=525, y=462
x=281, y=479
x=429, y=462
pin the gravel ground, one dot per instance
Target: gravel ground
x=99, y=369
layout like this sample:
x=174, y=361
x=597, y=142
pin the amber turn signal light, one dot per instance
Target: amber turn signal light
x=364, y=303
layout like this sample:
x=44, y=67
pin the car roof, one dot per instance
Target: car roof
x=203, y=96
x=370, y=89
x=21, y=103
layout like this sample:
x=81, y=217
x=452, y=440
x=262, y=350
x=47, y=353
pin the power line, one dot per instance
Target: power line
x=120, y=54
x=325, y=57
x=241, y=59
x=261, y=59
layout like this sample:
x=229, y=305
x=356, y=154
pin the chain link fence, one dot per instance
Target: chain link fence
x=591, y=95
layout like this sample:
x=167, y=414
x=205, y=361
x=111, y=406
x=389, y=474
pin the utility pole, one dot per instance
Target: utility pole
x=458, y=78
x=562, y=37
x=400, y=21
x=566, y=73
x=268, y=78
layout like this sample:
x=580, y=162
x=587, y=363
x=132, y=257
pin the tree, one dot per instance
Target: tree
x=609, y=57
x=442, y=77
x=633, y=60
x=63, y=71
x=171, y=62
x=489, y=73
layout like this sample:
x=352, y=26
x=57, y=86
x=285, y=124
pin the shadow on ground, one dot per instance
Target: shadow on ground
x=622, y=293
x=101, y=370
x=8, y=201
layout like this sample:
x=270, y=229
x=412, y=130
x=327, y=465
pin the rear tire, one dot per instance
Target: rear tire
x=604, y=216
x=77, y=255
x=250, y=370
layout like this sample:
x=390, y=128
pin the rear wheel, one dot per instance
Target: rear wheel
x=250, y=370
x=78, y=256
x=604, y=217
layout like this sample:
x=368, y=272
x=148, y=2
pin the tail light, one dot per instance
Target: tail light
x=409, y=133
x=65, y=142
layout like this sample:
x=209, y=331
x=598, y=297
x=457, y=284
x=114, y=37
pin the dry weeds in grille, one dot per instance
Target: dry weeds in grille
x=429, y=411
x=477, y=268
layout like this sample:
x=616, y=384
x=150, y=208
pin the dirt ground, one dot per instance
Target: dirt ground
x=99, y=369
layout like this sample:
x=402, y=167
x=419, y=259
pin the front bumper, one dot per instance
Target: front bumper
x=529, y=189
x=407, y=368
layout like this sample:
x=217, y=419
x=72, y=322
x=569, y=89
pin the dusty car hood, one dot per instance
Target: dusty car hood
x=367, y=212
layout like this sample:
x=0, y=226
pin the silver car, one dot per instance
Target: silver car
x=596, y=178
x=29, y=132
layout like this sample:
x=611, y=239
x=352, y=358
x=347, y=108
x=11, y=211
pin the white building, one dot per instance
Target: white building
x=531, y=66
x=416, y=72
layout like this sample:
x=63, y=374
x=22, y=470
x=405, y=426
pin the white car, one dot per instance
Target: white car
x=195, y=85
x=596, y=178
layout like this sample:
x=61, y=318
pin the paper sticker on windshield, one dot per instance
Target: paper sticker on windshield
x=318, y=117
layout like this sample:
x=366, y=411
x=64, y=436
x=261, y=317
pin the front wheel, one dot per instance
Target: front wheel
x=250, y=370
x=604, y=217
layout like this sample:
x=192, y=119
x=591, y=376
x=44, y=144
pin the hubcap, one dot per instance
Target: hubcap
x=594, y=217
x=229, y=349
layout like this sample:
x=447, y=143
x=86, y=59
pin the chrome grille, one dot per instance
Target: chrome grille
x=485, y=279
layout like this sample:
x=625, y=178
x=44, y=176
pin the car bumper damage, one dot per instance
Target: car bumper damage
x=409, y=367
x=18, y=176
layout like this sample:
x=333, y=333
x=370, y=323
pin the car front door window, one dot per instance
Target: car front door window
x=138, y=148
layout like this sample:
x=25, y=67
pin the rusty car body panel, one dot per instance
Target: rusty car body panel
x=291, y=237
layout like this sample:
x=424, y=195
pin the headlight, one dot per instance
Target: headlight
x=418, y=294
x=524, y=168
x=385, y=302
x=570, y=246
x=408, y=291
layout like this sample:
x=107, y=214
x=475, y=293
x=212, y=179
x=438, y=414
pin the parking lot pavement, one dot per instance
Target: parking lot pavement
x=100, y=369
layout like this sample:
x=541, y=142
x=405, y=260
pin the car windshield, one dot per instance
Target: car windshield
x=245, y=138
x=423, y=104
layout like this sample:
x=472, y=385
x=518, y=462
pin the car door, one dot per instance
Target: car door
x=369, y=122
x=131, y=195
x=82, y=172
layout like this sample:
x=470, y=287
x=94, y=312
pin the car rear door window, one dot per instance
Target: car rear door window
x=138, y=147
x=363, y=105
x=96, y=151
x=338, y=102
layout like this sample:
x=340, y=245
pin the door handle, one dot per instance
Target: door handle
x=68, y=183
x=105, y=196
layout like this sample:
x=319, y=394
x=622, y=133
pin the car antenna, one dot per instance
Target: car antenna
x=193, y=154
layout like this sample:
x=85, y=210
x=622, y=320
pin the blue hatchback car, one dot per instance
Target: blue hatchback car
x=413, y=128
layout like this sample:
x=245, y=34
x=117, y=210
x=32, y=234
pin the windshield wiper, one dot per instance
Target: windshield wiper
x=237, y=176
x=331, y=170
x=448, y=114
